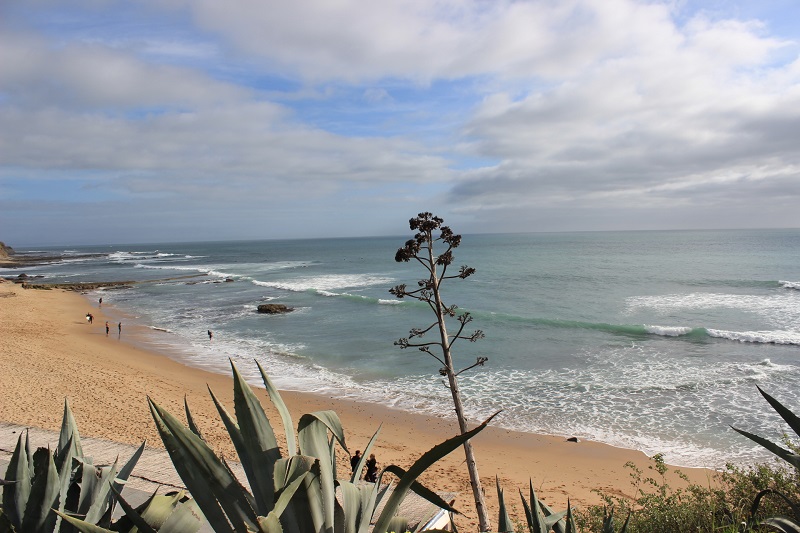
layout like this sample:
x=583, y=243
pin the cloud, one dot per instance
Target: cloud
x=601, y=113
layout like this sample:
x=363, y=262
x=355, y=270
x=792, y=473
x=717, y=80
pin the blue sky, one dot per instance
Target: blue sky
x=177, y=120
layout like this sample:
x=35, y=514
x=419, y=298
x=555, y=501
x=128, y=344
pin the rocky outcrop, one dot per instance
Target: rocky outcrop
x=274, y=309
x=5, y=251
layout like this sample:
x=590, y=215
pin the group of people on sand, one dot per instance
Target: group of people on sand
x=90, y=320
x=372, y=466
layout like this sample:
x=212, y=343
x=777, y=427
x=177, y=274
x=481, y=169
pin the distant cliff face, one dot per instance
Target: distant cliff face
x=5, y=251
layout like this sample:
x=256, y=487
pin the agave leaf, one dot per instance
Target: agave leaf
x=398, y=524
x=368, y=495
x=360, y=466
x=571, y=527
x=624, y=528
x=504, y=524
x=127, y=468
x=44, y=494
x=19, y=471
x=421, y=464
x=230, y=424
x=287, y=471
x=101, y=500
x=783, y=453
x=260, y=450
x=238, y=442
x=312, y=436
x=89, y=479
x=269, y=524
x=190, y=418
x=80, y=525
x=186, y=517
x=351, y=506
x=133, y=515
x=64, y=467
x=783, y=524
x=553, y=519
x=204, y=475
x=790, y=418
x=283, y=411
x=309, y=503
x=533, y=512
x=422, y=490
x=288, y=492
x=69, y=430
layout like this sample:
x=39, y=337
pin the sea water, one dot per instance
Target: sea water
x=653, y=341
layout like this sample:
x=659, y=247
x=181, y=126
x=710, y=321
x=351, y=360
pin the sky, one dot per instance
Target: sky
x=185, y=120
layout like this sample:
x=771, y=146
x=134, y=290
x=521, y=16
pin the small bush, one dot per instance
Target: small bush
x=721, y=508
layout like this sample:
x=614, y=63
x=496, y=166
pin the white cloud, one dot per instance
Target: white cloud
x=605, y=107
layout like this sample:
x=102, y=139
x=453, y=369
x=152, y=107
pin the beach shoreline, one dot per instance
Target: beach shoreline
x=51, y=353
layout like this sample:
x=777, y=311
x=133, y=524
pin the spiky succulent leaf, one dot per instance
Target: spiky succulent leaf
x=351, y=506
x=190, y=419
x=422, y=490
x=398, y=524
x=788, y=416
x=782, y=524
x=356, y=475
x=312, y=436
x=504, y=524
x=260, y=450
x=553, y=520
x=283, y=411
x=570, y=522
x=20, y=473
x=423, y=463
x=186, y=517
x=269, y=524
x=83, y=527
x=44, y=494
x=787, y=455
x=204, y=475
x=69, y=432
x=133, y=517
x=101, y=499
x=297, y=517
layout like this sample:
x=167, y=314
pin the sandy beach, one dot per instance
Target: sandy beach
x=49, y=352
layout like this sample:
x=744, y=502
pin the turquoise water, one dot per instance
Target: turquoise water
x=648, y=340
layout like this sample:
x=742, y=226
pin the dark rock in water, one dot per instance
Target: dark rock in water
x=22, y=276
x=228, y=280
x=573, y=439
x=274, y=309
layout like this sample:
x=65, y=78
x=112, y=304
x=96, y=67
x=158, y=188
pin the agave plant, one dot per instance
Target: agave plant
x=783, y=524
x=64, y=480
x=538, y=515
x=174, y=512
x=296, y=493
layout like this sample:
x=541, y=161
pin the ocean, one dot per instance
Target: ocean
x=653, y=341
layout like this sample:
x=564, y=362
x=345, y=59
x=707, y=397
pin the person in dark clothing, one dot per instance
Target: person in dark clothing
x=354, y=461
x=372, y=469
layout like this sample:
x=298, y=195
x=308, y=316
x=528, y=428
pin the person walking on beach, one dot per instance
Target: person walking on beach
x=119, y=327
x=100, y=303
x=106, y=328
x=89, y=318
x=372, y=469
x=210, y=335
x=354, y=461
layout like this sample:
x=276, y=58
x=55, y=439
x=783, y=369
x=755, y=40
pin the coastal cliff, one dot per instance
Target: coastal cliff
x=5, y=251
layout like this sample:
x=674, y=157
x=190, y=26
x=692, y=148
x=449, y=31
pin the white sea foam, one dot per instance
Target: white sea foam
x=668, y=331
x=790, y=284
x=767, y=337
x=326, y=282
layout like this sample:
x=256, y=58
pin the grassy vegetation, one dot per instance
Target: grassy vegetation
x=726, y=508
